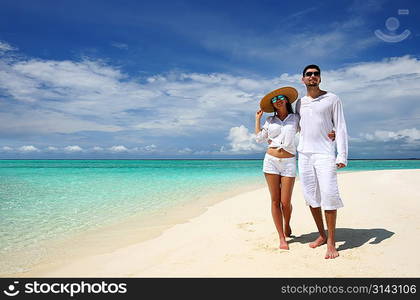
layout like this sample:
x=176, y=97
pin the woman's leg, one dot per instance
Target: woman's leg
x=287, y=184
x=273, y=182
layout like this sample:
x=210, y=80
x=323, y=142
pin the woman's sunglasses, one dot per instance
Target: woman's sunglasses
x=309, y=74
x=278, y=98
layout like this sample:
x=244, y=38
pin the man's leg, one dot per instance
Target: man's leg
x=331, y=217
x=317, y=215
x=311, y=194
x=326, y=172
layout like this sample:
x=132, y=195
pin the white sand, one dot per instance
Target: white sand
x=378, y=234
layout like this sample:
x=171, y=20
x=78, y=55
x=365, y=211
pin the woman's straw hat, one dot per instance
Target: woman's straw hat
x=288, y=91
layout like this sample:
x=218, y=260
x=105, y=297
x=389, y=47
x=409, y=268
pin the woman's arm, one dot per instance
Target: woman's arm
x=258, y=116
x=261, y=133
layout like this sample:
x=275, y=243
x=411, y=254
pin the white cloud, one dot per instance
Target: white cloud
x=6, y=47
x=19, y=120
x=97, y=148
x=51, y=148
x=150, y=148
x=119, y=148
x=119, y=45
x=87, y=95
x=6, y=148
x=241, y=140
x=93, y=96
x=73, y=148
x=185, y=151
x=411, y=135
x=28, y=149
x=344, y=38
x=83, y=88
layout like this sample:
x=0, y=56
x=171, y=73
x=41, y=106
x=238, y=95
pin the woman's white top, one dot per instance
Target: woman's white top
x=281, y=133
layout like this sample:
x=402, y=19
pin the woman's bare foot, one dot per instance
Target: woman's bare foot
x=331, y=252
x=318, y=242
x=284, y=245
x=287, y=230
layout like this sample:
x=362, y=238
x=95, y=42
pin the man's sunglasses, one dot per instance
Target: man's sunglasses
x=309, y=74
x=278, y=98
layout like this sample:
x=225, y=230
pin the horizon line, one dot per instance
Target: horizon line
x=185, y=159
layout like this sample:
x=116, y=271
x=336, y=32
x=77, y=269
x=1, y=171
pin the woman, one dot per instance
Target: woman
x=279, y=165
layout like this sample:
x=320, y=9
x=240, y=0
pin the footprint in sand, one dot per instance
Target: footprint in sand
x=246, y=226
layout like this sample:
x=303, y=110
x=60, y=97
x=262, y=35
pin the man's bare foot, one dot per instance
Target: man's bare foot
x=287, y=231
x=331, y=252
x=318, y=242
x=284, y=245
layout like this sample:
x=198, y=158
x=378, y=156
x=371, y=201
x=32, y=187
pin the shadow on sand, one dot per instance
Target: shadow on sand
x=352, y=238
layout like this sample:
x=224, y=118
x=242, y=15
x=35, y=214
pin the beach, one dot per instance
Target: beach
x=378, y=235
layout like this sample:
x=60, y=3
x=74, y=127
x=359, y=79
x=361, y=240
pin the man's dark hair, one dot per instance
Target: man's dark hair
x=311, y=67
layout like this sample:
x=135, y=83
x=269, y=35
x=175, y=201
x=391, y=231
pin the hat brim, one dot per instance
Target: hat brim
x=288, y=91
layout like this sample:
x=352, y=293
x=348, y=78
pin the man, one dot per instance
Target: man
x=321, y=111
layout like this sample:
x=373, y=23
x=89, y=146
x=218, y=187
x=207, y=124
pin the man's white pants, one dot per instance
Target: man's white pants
x=318, y=177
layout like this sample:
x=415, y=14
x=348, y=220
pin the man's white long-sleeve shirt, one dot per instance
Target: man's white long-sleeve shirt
x=317, y=118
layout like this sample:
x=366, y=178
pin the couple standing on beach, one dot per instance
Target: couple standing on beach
x=320, y=120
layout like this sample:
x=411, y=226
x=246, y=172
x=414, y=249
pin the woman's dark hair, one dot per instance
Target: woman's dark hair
x=311, y=67
x=288, y=107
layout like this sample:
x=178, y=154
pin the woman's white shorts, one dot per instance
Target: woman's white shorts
x=280, y=166
x=318, y=177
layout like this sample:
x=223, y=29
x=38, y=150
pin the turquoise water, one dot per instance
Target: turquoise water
x=43, y=200
x=370, y=165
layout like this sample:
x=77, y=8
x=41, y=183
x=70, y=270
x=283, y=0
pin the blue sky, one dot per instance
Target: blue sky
x=183, y=79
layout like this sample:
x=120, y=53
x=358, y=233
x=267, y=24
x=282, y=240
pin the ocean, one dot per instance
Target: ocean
x=45, y=201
